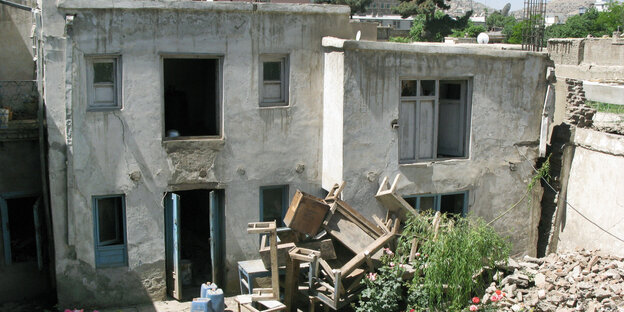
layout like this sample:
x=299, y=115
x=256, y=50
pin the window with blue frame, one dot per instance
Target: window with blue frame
x=450, y=203
x=273, y=203
x=109, y=219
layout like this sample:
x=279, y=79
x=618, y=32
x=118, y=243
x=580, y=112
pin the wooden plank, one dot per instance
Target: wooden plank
x=306, y=213
x=327, y=268
x=282, y=254
x=380, y=224
x=292, y=280
x=274, y=269
x=325, y=247
x=347, y=210
x=348, y=233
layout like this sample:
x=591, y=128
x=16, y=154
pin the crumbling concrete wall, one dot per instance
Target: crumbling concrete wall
x=577, y=113
x=594, y=194
x=596, y=59
x=508, y=90
x=258, y=146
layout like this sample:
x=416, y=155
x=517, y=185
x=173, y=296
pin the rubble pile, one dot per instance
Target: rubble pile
x=577, y=281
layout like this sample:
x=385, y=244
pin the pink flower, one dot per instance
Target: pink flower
x=473, y=308
x=391, y=264
x=388, y=251
x=417, y=254
x=68, y=310
x=372, y=276
x=498, y=292
x=475, y=300
x=495, y=297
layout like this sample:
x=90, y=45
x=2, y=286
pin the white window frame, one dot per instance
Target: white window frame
x=415, y=127
x=285, y=73
x=116, y=104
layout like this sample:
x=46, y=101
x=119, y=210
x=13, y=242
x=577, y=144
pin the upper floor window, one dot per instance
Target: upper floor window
x=192, y=96
x=104, y=87
x=434, y=120
x=274, y=83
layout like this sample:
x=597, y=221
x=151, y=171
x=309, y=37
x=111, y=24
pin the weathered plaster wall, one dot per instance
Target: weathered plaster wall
x=16, y=55
x=508, y=90
x=259, y=146
x=595, y=189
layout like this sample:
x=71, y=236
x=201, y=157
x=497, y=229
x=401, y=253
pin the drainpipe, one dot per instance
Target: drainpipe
x=69, y=22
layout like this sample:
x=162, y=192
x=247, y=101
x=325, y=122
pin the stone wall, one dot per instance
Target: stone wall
x=577, y=113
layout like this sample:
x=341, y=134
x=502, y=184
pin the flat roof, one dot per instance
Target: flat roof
x=489, y=50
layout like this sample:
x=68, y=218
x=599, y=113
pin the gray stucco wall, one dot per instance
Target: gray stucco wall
x=16, y=55
x=508, y=89
x=259, y=146
x=595, y=190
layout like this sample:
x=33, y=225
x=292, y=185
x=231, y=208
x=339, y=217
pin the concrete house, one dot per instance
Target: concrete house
x=171, y=125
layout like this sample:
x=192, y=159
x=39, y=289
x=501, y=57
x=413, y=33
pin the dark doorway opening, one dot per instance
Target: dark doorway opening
x=22, y=229
x=191, y=97
x=193, y=241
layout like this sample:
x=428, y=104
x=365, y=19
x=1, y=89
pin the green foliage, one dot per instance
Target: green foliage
x=459, y=253
x=438, y=27
x=592, y=23
x=427, y=8
x=471, y=30
x=498, y=20
x=542, y=173
x=400, y=39
x=384, y=291
x=605, y=107
x=447, y=264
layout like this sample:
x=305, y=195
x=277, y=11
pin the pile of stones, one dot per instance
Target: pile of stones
x=577, y=281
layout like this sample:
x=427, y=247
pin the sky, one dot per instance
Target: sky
x=499, y=4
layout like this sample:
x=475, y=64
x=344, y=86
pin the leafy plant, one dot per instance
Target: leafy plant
x=384, y=290
x=460, y=252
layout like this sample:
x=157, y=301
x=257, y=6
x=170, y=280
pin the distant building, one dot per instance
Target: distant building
x=395, y=21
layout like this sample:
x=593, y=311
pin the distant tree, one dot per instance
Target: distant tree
x=356, y=6
x=609, y=20
x=428, y=8
x=498, y=20
x=438, y=27
x=471, y=31
x=506, y=8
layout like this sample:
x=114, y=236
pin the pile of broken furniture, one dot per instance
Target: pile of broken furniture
x=324, y=252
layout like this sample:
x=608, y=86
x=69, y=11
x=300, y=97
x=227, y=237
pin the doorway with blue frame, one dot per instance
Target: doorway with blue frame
x=194, y=240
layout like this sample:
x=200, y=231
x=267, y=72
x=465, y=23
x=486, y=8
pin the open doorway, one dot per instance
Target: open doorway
x=193, y=241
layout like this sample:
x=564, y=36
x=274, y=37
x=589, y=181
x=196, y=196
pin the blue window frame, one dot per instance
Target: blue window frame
x=273, y=203
x=109, y=224
x=451, y=203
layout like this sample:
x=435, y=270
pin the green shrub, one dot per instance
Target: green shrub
x=445, y=267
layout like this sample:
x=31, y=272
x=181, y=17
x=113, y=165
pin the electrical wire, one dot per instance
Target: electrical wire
x=567, y=203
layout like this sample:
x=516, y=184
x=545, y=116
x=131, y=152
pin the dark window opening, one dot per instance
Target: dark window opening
x=22, y=229
x=110, y=221
x=191, y=97
x=273, y=203
x=452, y=204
